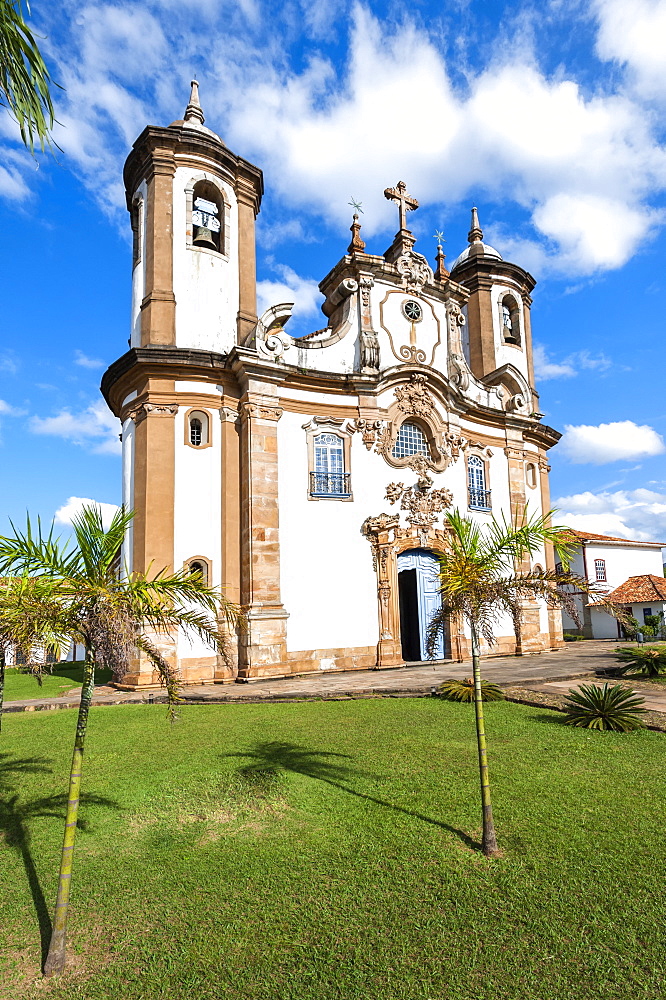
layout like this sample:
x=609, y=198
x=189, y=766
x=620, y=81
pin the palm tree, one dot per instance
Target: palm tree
x=31, y=624
x=481, y=582
x=115, y=616
x=24, y=78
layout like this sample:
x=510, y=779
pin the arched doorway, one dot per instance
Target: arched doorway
x=418, y=589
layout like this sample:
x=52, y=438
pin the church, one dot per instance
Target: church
x=308, y=477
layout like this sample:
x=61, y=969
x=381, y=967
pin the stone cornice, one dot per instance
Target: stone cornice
x=242, y=365
x=167, y=146
x=475, y=272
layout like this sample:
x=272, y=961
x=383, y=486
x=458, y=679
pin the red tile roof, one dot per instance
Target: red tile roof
x=585, y=536
x=640, y=589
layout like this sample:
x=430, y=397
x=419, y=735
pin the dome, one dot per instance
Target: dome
x=484, y=250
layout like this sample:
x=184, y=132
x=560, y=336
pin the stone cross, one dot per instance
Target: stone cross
x=404, y=201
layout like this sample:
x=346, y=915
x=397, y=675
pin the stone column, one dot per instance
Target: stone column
x=529, y=640
x=158, y=308
x=379, y=531
x=247, y=264
x=230, y=513
x=554, y=614
x=154, y=486
x=263, y=646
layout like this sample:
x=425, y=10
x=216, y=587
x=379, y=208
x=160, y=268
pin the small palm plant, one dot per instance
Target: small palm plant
x=594, y=707
x=456, y=690
x=647, y=660
x=116, y=617
x=482, y=581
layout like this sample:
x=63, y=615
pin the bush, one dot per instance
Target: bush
x=569, y=637
x=647, y=660
x=594, y=707
x=454, y=690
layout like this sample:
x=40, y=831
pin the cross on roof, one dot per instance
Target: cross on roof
x=404, y=201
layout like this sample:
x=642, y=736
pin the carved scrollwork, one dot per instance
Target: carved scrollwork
x=414, y=398
x=414, y=270
x=413, y=354
x=143, y=410
x=260, y=411
x=422, y=505
x=459, y=372
x=369, y=430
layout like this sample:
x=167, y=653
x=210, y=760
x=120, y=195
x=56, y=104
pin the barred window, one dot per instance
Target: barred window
x=410, y=441
x=197, y=430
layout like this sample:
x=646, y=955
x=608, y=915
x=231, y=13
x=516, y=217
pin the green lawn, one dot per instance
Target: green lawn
x=326, y=850
x=62, y=678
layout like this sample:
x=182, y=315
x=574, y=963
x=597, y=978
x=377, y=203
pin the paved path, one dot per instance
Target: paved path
x=574, y=660
x=655, y=698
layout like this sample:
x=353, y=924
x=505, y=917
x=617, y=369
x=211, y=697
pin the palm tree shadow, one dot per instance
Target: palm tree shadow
x=328, y=766
x=15, y=817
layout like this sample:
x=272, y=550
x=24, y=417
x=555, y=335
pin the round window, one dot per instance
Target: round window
x=412, y=311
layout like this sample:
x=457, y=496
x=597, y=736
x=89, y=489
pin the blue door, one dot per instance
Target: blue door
x=419, y=599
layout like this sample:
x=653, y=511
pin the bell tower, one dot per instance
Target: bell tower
x=193, y=206
x=498, y=311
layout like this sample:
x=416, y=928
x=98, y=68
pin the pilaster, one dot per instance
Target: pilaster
x=480, y=325
x=554, y=614
x=247, y=263
x=158, y=308
x=263, y=645
x=230, y=489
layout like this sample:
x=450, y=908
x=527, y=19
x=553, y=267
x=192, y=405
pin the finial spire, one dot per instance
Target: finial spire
x=475, y=235
x=357, y=245
x=441, y=274
x=193, y=112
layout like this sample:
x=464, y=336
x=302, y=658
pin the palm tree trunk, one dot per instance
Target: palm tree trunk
x=489, y=841
x=55, y=960
x=2, y=683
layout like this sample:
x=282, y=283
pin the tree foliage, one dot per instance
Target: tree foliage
x=24, y=78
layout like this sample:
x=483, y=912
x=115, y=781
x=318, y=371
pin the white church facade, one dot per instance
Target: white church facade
x=307, y=477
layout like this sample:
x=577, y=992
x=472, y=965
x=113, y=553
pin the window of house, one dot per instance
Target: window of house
x=600, y=570
x=479, y=496
x=410, y=441
x=558, y=567
x=198, y=432
x=646, y=613
x=207, y=216
x=329, y=478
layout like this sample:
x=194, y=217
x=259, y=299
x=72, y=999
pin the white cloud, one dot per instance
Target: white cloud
x=303, y=292
x=638, y=514
x=85, y=362
x=94, y=428
x=622, y=439
x=545, y=368
x=633, y=34
x=584, y=168
x=73, y=506
x=7, y=410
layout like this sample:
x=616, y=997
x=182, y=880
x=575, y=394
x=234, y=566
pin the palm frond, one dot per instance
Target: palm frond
x=24, y=77
x=99, y=547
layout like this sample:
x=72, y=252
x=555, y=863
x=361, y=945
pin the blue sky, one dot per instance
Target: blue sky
x=550, y=118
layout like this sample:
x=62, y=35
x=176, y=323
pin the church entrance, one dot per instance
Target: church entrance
x=418, y=590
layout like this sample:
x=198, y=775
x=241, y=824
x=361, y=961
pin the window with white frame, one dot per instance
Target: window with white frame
x=410, y=441
x=600, y=570
x=329, y=477
x=479, y=495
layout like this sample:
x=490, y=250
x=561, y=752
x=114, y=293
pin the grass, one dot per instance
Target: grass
x=64, y=677
x=330, y=850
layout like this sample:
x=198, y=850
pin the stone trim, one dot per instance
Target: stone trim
x=186, y=428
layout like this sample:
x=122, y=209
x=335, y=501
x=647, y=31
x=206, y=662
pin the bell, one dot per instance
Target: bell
x=203, y=238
